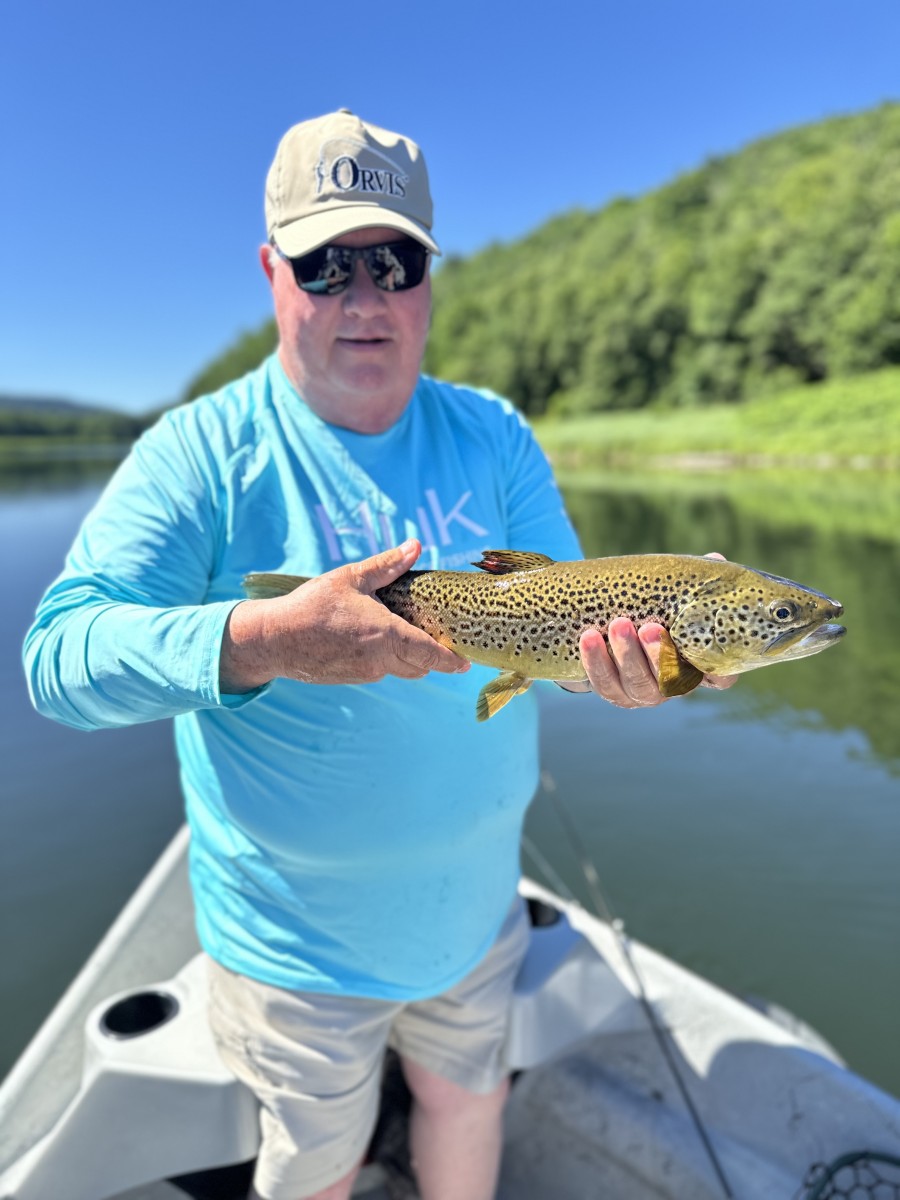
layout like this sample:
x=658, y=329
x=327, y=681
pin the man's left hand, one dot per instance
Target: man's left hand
x=623, y=666
x=625, y=671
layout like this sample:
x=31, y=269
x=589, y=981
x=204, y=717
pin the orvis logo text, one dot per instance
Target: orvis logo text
x=344, y=166
x=348, y=176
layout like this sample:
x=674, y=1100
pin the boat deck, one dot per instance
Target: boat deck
x=598, y=1109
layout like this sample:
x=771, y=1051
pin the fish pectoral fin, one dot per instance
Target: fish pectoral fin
x=263, y=586
x=500, y=691
x=677, y=676
x=501, y=562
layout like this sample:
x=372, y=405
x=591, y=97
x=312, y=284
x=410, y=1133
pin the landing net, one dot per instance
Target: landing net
x=860, y=1175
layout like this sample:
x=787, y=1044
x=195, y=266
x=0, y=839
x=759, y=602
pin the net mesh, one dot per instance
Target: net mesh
x=862, y=1175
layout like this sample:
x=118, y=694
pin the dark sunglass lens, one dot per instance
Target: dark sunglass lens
x=397, y=266
x=325, y=270
x=394, y=266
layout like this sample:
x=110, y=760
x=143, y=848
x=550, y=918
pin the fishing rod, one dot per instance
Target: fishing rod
x=603, y=911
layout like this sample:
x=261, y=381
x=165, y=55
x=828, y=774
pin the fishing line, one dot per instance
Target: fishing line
x=541, y=861
x=603, y=911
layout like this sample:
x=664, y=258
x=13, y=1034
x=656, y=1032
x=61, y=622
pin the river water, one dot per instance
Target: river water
x=753, y=835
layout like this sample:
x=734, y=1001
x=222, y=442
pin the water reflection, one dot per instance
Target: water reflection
x=73, y=465
x=753, y=835
x=840, y=535
x=82, y=816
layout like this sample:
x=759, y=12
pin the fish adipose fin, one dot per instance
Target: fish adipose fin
x=500, y=691
x=676, y=676
x=501, y=562
x=261, y=586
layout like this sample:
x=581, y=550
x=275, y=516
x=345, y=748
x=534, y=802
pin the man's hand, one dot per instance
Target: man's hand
x=625, y=671
x=623, y=667
x=332, y=629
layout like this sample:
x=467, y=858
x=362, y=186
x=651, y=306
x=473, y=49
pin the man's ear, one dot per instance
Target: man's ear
x=267, y=260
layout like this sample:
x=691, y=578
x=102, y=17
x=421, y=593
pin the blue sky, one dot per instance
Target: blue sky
x=135, y=139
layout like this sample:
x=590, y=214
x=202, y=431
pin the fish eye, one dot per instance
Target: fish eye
x=783, y=610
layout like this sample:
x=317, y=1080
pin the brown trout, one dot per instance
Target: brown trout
x=525, y=614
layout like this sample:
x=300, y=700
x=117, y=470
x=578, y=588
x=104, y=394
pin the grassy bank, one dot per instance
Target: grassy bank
x=854, y=421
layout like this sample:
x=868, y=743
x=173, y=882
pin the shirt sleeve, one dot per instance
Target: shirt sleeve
x=123, y=634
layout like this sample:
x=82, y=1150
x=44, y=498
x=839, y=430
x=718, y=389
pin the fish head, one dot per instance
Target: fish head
x=747, y=619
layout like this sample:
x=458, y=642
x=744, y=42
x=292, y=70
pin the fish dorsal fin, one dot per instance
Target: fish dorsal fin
x=677, y=676
x=501, y=562
x=500, y=691
x=263, y=586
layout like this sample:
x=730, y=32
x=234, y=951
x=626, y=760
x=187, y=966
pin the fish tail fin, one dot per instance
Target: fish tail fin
x=677, y=676
x=267, y=586
x=500, y=691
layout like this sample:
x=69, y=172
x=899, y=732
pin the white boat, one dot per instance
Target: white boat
x=636, y=1079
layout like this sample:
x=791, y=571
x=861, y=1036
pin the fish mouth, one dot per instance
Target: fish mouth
x=795, y=643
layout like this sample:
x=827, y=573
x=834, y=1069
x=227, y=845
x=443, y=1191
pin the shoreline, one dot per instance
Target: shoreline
x=574, y=458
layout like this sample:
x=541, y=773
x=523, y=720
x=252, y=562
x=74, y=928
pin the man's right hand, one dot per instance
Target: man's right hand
x=332, y=629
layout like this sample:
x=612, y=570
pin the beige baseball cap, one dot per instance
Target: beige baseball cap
x=335, y=174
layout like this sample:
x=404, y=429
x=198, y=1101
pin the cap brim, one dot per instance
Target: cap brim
x=310, y=232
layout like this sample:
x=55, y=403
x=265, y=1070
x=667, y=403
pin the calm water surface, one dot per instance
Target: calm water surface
x=754, y=836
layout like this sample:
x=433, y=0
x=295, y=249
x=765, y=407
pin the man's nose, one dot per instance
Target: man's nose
x=361, y=295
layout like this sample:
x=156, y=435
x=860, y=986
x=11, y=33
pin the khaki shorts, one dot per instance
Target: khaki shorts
x=314, y=1061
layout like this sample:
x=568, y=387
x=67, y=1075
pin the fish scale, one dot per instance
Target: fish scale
x=533, y=619
x=525, y=613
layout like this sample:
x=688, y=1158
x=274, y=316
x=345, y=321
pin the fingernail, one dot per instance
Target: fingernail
x=408, y=546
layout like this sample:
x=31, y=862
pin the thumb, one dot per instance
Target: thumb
x=381, y=569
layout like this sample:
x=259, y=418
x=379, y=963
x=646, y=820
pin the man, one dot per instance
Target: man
x=354, y=848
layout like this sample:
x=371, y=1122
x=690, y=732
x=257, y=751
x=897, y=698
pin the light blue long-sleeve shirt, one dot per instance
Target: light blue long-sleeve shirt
x=355, y=839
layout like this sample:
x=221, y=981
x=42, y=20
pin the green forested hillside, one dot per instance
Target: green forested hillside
x=775, y=266
x=772, y=267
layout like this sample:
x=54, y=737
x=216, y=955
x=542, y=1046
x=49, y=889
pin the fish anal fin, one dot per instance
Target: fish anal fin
x=501, y=562
x=500, y=691
x=267, y=586
x=677, y=676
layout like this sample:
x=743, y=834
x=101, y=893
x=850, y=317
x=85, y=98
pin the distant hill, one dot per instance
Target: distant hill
x=49, y=405
x=775, y=266
x=39, y=416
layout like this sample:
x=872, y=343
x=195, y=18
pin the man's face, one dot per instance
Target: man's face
x=354, y=357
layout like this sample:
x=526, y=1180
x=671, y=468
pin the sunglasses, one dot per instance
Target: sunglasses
x=393, y=266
